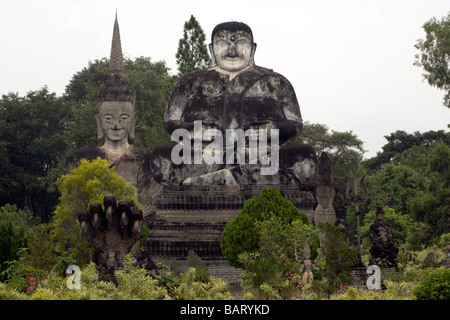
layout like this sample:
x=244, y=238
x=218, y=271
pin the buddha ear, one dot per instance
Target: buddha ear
x=99, y=126
x=211, y=53
x=131, y=134
x=254, y=45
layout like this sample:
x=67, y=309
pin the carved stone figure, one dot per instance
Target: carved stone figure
x=232, y=94
x=113, y=232
x=383, y=251
x=341, y=222
x=307, y=266
x=325, y=192
x=116, y=121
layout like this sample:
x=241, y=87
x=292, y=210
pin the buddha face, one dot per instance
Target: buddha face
x=233, y=50
x=116, y=120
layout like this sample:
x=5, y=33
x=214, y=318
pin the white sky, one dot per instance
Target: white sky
x=350, y=62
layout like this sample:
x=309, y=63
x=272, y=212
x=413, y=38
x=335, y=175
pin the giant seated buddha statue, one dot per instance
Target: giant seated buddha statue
x=209, y=110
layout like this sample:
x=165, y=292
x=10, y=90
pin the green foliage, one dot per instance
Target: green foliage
x=394, y=291
x=89, y=183
x=8, y=293
x=339, y=259
x=434, y=54
x=401, y=224
x=434, y=286
x=397, y=185
x=31, y=142
x=134, y=284
x=400, y=141
x=194, y=261
x=40, y=248
x=13, y=229
x=274, y=267
x=145, y=233
x=344, y=149
x=239, y=234
x=194, y=288
x=432, y=207
x=192, y=53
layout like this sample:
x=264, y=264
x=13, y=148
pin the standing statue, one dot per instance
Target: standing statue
x=307, y=266
x=383, y=251
x=232, y=94
x=116, y=119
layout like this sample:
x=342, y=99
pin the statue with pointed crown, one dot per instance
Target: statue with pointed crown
x=116, y=119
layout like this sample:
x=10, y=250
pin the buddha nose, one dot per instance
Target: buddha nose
x=232, y=50
x=116, y=125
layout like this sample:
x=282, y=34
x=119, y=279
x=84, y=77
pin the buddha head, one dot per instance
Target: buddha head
x=116, y=117
x=232, y=47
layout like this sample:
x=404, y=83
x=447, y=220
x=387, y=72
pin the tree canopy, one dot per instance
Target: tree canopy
x=192, y=53
x=239, y=234
x=32, y=136
x=434, y=55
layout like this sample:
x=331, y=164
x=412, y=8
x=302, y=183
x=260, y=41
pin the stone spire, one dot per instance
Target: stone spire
x=116, y=61
x=116, y=83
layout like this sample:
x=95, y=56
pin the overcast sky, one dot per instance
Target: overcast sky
x=350, y=62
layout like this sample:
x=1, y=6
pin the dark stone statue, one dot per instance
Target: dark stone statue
x=234, y=93
x=383, y=251
x=113, y=231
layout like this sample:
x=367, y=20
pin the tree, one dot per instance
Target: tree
x=432, y=206
x=89, y=183
x=344, y=149
x=31, y=141
x=400, y=141
x=12, y=235
x=192, y=53
x=338, y=258
x=435, y=55
x=393, y=185
x=239, y=234
x=276, y=264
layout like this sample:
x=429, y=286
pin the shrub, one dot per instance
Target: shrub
x=193, y=287
x=134, y=284
x=8, y=293
x=239, y=234
x=434, y=286
x=338, y=257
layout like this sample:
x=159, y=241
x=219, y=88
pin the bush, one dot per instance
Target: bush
x=339, y=258
x=239, y=234
x=434, y=286
x=193, y=287
x=134, y=284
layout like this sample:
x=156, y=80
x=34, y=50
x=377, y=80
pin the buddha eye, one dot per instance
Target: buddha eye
x=107, y=117
x=124, y=117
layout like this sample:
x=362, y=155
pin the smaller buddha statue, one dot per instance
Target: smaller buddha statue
x=116, y=120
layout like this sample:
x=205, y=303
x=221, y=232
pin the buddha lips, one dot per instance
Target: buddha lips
x=238, y=144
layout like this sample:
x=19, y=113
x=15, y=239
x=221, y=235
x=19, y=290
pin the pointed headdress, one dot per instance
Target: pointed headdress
x=116, y=83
